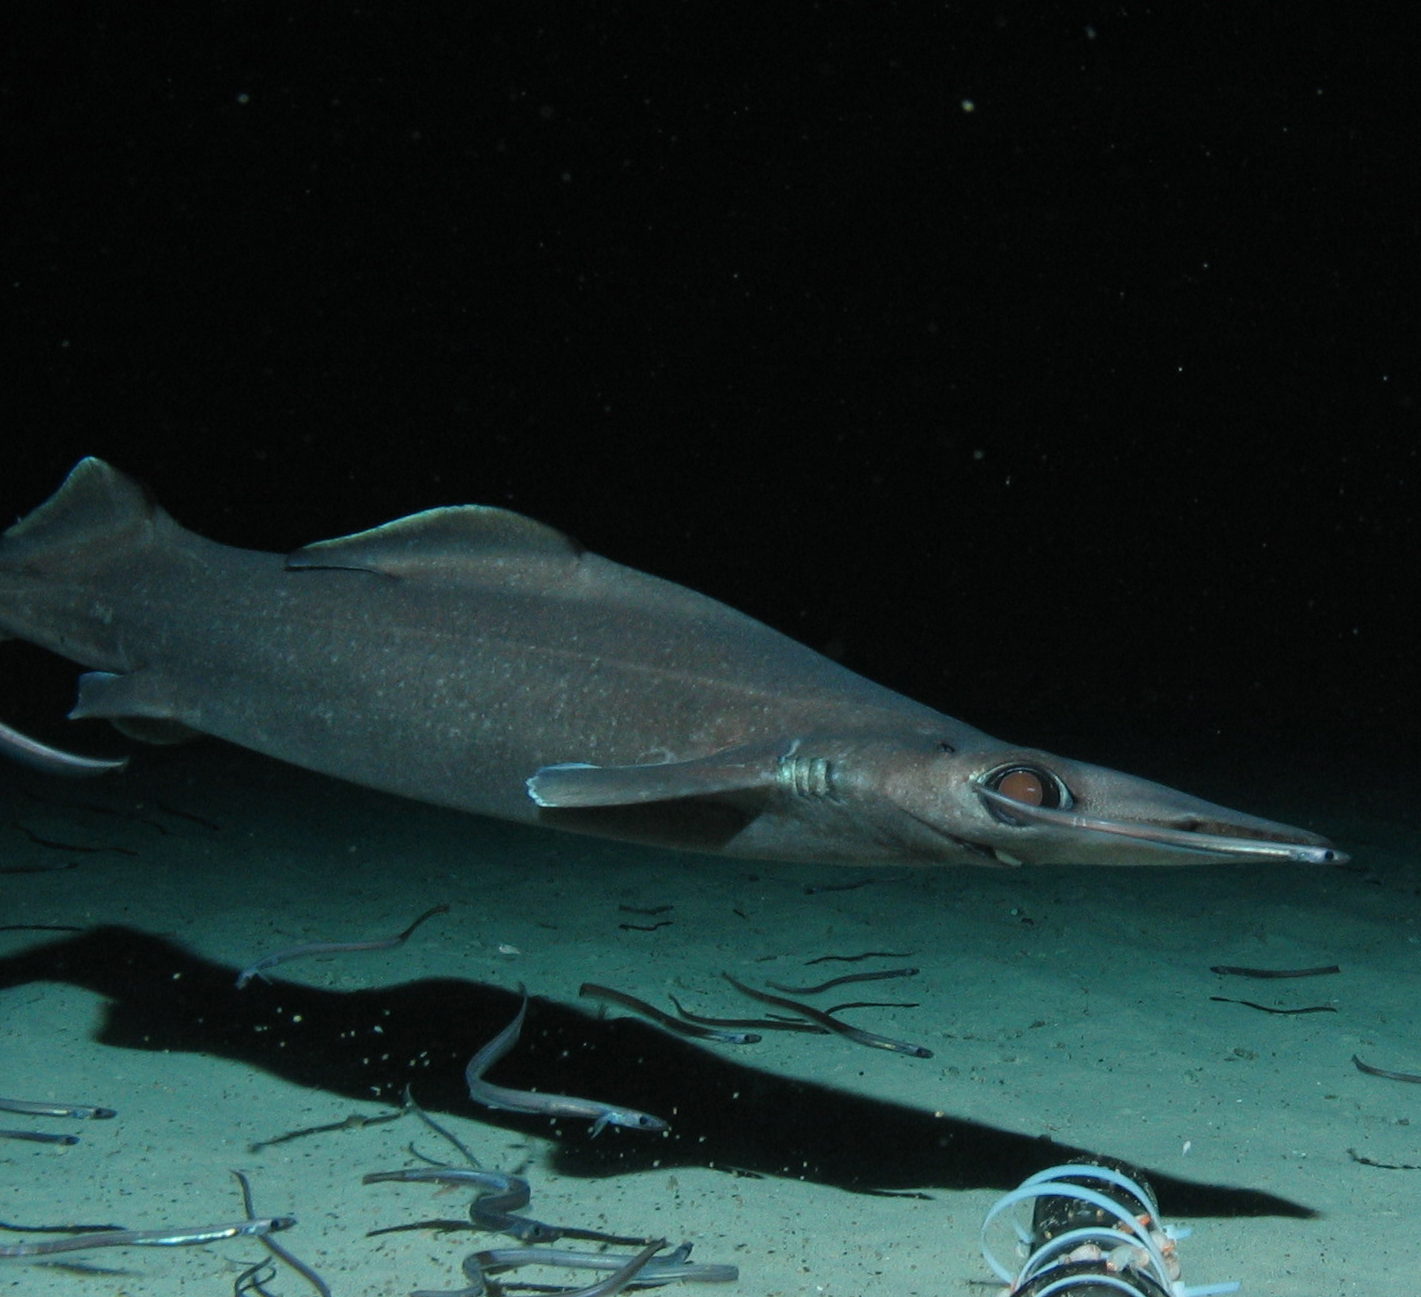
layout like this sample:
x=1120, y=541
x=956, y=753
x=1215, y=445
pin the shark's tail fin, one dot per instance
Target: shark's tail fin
x=96, y=509
x=95, y=514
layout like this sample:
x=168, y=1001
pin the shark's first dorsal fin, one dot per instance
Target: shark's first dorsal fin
x=94, y=506
x=438, y=542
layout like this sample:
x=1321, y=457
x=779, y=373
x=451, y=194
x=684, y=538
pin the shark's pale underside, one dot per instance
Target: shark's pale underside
x=474, y=658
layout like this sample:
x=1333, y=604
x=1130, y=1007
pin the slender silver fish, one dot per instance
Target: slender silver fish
x=178, y=1237
x=310, y=948
x=599, y=1114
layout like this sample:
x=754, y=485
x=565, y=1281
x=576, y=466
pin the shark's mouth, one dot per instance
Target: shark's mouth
x=1195, y=840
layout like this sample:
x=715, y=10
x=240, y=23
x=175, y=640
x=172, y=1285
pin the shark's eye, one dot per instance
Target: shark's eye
x=1029, y=785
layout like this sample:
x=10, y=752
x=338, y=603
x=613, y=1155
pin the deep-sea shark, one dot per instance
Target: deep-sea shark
x=474, y=658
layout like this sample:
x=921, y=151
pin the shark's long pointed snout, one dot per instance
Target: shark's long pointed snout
x=1196, y=843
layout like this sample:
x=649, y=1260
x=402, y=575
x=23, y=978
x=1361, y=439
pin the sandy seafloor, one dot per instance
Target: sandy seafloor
x=1069, y=1005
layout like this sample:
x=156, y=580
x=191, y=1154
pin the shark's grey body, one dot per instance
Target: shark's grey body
x=476, y=659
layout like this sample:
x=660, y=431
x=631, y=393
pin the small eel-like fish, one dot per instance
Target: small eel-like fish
x=259, y=968
x=763, y=1024
x=1414, y=1077
x=83, y=1111
x=844, y=980
x=614, y=1283
x=497, y=1196
x=1253, y=1004
x=870, y=1038
x=854, y=959
x=681, y=1026
x=276, y=1249
x=442, y=1131
x=548, y=1105
x=675, y=1266
x=258, y=1228
x=1233, y=970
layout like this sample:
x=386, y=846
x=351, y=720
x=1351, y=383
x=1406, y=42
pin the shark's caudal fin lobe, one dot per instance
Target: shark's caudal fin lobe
x=51, y=760
x=97, y=506
x=96, y=510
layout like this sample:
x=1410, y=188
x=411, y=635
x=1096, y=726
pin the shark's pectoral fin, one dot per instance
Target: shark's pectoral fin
x=752, y=767
x=136, y=703
x=698, y=805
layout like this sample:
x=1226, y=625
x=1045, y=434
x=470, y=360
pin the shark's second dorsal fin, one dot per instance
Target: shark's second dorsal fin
x=439, y=542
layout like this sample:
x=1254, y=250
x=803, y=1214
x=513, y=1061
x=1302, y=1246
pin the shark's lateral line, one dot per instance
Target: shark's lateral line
x=476, y=659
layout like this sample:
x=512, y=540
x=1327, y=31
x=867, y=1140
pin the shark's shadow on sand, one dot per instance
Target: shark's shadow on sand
x=724, y=1112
